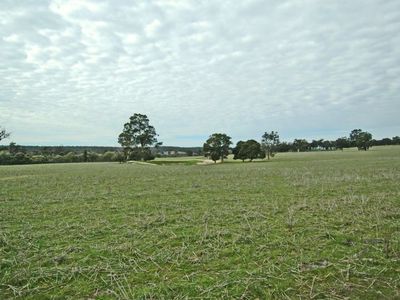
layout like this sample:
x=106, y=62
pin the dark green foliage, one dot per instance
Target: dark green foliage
x=353, y=137
x=215, y=156
x=238, y=152
x=217, y=146
x=361, y=139
x=285, y=147
x=140, y=154
x=300, y=145
x=250, y=149
x=342, y=142
x=137, y=137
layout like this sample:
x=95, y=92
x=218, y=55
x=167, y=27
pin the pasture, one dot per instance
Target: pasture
x=303, y=225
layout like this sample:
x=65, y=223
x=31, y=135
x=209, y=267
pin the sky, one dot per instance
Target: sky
x=73, y=71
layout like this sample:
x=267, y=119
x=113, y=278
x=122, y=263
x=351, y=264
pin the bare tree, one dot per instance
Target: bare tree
x=3, y=134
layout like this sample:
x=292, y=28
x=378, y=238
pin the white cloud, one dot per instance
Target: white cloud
x=302, y=67
x=151, y=28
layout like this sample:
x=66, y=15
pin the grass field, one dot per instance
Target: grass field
x=304, y=225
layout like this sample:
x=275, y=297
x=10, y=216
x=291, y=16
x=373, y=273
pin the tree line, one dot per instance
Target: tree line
x=217, y=146
x=139, y=141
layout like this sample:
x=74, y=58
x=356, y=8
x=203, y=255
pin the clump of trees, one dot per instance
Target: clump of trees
x=357, y=138
x=271, y=144
x=360, y=139
x=249, y=149
x=137, y=137
x=217, y=146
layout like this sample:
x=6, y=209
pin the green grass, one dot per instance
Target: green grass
x=304, y=225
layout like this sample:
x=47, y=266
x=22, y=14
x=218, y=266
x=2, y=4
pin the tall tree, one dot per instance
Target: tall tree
x=360, y=139
x=270, y=142
x=137, y=137
x=3, y=134
x=353, y=137
x=217, y=146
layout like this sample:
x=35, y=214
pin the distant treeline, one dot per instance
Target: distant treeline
x=14, y=154
x=303, y=145
x=62, y=150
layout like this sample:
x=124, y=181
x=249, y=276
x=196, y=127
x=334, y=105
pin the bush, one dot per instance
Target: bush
x=72, y=157
x=92, y=157
x=21, y=158
x=108, y=156
x=119, y=156
x=141, y=154
x=39, y=159
x=5, y=158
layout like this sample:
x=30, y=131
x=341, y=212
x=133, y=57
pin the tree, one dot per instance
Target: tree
x=353, y=137
x=314, y=144
x=13, y=148
x=250, y=149
x=396, y=140
x=270, y=142
x=238, y=151
x=327, y=145
x=342, y=142
x=85, y=156
x=360, y=139
x=217, y=146
x=3, y=134
x=137, y=137
x=300, y=145
x=363, y=141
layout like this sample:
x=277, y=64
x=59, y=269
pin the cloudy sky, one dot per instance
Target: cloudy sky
x=73, y=71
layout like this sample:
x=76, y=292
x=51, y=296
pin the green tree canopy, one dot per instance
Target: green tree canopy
x=342, y=142
x=360, y=139
x=137, y=137
x=217, y=146
x=300, y=145
x=250, y=149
